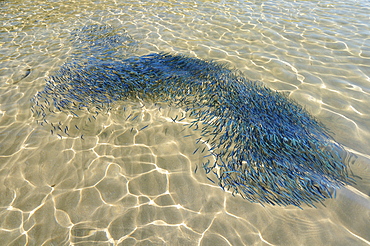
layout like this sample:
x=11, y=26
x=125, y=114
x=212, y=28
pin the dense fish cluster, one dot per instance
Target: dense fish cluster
x=267, y=148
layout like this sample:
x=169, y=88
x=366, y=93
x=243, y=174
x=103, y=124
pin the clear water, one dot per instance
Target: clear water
x=122, y=186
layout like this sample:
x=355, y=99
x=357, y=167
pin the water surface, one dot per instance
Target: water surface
x=120, y=185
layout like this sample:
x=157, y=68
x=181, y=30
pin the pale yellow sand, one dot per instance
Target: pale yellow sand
x=122, y=186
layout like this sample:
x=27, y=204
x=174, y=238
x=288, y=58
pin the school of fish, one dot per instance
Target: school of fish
x=266, y=147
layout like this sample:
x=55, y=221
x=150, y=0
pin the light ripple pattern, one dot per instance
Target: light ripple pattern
x=266, y=147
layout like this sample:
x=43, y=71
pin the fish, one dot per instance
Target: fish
x=143, y=127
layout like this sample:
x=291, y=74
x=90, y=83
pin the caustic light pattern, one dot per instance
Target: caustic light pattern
x=267, y=148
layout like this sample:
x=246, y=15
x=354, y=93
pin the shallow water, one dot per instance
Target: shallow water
x=124, y=185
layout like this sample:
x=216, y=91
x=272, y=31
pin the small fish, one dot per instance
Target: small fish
x=28, y=71
x=174, y=119
x=211, y=180
x=144, y=127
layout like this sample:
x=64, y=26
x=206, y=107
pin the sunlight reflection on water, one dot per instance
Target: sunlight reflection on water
x=126, y=187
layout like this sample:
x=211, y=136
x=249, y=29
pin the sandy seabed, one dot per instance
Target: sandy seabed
x=123, y=184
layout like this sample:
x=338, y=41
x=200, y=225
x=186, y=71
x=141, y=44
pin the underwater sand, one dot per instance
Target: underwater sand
x=122, y=184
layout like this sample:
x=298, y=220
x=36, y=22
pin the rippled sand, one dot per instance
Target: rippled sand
x=133, y=182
